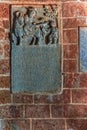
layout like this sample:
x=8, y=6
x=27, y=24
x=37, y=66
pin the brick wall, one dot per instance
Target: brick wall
x=66, y=111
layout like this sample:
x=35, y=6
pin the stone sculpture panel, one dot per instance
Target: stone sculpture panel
x=35, y=52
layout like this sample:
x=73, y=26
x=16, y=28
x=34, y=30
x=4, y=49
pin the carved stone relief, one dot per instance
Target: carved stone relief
x=35, y=50
x=35, y=26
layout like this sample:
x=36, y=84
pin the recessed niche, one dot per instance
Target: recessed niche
x=35, y=49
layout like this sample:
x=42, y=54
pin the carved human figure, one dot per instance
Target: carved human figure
x=44, y=34
x=29, y=27
x=18, y=27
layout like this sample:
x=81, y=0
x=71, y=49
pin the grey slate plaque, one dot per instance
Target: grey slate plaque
x=83, y=49
x=35, y=52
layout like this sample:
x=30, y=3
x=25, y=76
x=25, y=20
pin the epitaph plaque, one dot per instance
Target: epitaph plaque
x=83, y=49
x=35, y=52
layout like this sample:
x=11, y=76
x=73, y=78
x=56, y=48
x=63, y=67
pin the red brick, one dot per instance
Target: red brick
x=5, y=97
x=79, y=96
x=83, y=80
x=15, y=124
x=71, y=80
x=37, y=111
x=4, y=82
x=69, y=111
x=22, y=98
x=1, y=23
x=74, y=9
x=59, y=98
x=48, y=124
x=76, y=111
x=73, y=22
x=7, y=50
x=6, y=24
x=1, y=50
x=70, y=66
x=70, y=51
x=4, y=66
x=2, y=33
x=4, y=11
x=58, y=111
x=70, y=36
x=77, y=124
x=11, y=111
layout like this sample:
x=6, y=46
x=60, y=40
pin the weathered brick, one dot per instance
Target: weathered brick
x=73, y=22
x=70, y=36
x=76, y=111
x=48, y=124
x=4, y=81
x=83, y=80
x=22, y=98
x=70, y=66
x=59, y=98
x=77, y=124
x=74, y=9
x=4, y=66
x=2, y=33
x=70, y=51
x=37, y=111
x=69, y=111
x=5, y=97
x=79, y=96
x=1, y=23
x=6, y=24
x=1, y=50
x=11, y=111
x=4, y=10
x=15, y=124
x=7, y=50
x=71, y=80
x=58, y=111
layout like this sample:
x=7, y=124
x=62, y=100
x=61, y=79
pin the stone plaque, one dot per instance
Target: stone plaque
x=35, y=52
x=83, y=49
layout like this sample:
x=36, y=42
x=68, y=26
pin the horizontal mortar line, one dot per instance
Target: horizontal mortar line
x=85, y=104
x=7, y=74
x=76, y=88
x=64, y=29
x=32, y=3
x=70, y=58
x=56, y=118
x=4, y=75
x=4, y=89
x=4, y=58
x=38, y=104
x=68, y=43
x=72, y=17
